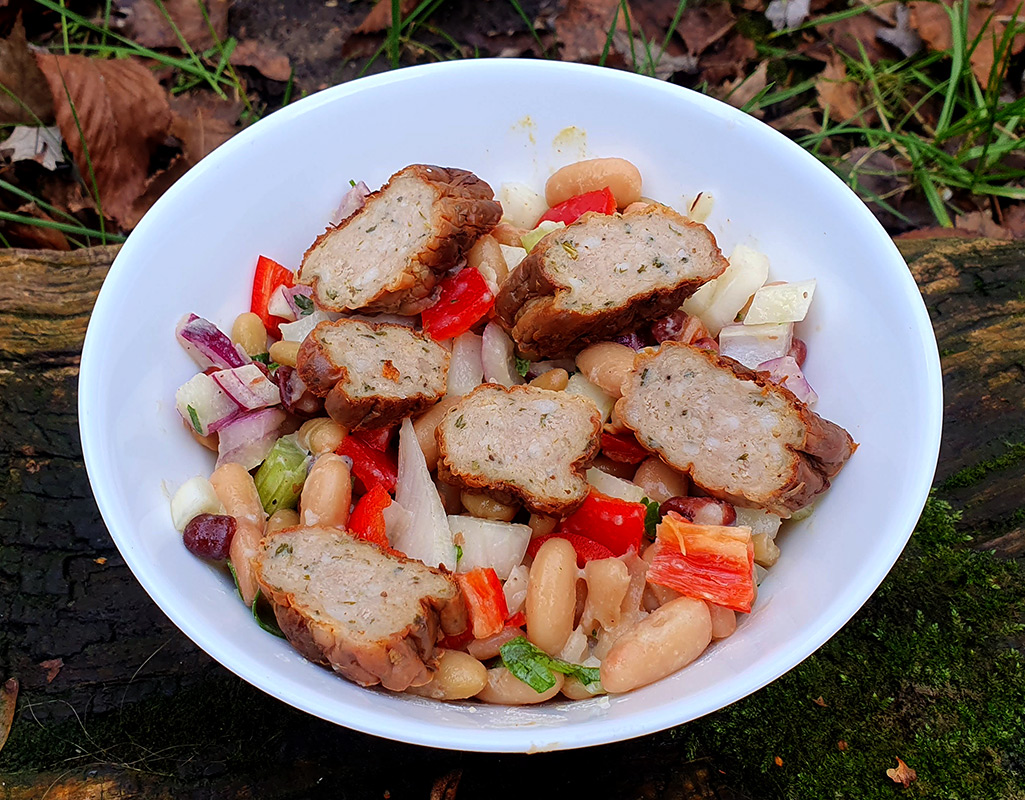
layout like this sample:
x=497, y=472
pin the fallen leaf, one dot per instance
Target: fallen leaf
x=124, y=115
x=582, y=28
x=101, y=561
x=158, y=183
x=8, y=697
x=841, y=745
x=853, y=35
x=42, y=145
x=203, y=122
x=983, y=224
x=445, y=787
x=379, y=18
x=36, y=237
x=144, y=22
x=902, y=36
x=1014, y=220
x=903, y=774
x=742, y=91
x=29, y=100
x=936, y=232
x=785, y=14
x=800, y=119
x=264, y=58
x=777, y=761
x=838, y=95
x=53, y=667
x=819, y=701
x=728, y=62
x=702, y=26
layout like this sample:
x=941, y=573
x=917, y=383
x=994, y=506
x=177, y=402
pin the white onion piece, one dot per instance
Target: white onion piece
x=278, y=306
x=717, y=302
x=498, y=357
x=248, y=438
x=300, y=329
x=515, y=588
x=759, y=521
x=752, y=345
x=786, y=372
x=465, y=370
x=613, y=486
x=513, y=255
x=489, y=543
x=208, y=345
x=204, y=405
x=396, y=521
x=248, y=387
x=427, y=536
x=781, y=302
x=194, y=497
x=579, y=385
x=521, y=205
x=352, y=201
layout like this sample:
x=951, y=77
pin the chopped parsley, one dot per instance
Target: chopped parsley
x=651, y=517
x=304, y=303
x=522, y=366
x=536, y=668
x=571, y=251
x=352, y=183
x=195, y=420
x=460, y=422
x=459, y=554
x=283, y=548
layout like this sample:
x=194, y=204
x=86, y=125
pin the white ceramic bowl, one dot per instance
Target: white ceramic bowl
x=271, y=189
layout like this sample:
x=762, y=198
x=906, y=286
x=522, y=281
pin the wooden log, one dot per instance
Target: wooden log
x=66, y=594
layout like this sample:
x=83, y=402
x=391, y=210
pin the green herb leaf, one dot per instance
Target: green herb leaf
x=352, y=183
x=234, y=577
x=304, y=303
x=270, y=625
x=459, y=553
x=263, y=358
x=195, y=420
x=522, y=366
x=535, y=667
x=460, y=422
x=651, y=517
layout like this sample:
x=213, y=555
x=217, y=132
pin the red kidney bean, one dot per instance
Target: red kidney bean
x=209, y=535
x=798, y=351
x=701, y=510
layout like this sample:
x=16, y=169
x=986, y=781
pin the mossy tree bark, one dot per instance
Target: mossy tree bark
x=136, y=708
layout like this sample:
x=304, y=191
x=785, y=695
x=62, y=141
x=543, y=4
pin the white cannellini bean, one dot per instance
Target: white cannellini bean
x=552, y=595
x=607, y=365
x=659, y=480
x=622, y=177
x=327, y=493
x=607, y=581
x=506, y=689
x=457, y=677
x=237, y=492
x=724, y=621
x=244, y=546
x=668, y=639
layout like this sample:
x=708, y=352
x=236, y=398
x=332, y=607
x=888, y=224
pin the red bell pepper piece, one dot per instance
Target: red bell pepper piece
x=485, y=601
x=367, y=519
x=517, y=620
x=465, y=298
x=587, y=549
x=569, y=211
x=370, y=466
x=617, y=524
x=711, y=562
x=623, y=447
x=457, y=641
x=378, y=438
x=269, y=276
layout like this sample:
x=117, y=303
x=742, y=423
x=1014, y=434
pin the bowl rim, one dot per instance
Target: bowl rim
x=515, y=739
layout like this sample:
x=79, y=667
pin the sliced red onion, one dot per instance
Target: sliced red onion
x=498, y=357
x=207, y=344
x=204, y=405
x=631, y=340
x=248, y=438
x=785, y=372
x=248, y=387
x=798, y=351
x=291, y=292
x=278, y=305
x=294, y=395
x=352, y=201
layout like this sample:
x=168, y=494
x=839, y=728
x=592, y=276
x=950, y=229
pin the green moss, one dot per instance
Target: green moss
x=969, y=476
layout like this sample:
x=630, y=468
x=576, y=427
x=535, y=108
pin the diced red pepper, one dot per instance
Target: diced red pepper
x=569, y=211
x=457, y=641
x=517, y=620
x=617, y=524
x=587, y=549
x=465, y=298
x=485, y=601
x=367, y=519
x=269, y=276
x=711, y=562
x=623, y=447
x=378, y=438
x=370, y=466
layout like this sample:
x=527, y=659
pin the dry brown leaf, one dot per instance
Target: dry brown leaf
x=702, y=26
x=740, y=92
x=854, y=33
x=35, y=237
x=30, y=143
x=800, y=119
x=820, y=701
x=124, y=115
x=836, y=94
x=1014, y=220
x=901, y=35
x=203, y=122
x=379, y=18
x=983, y=224
x=841, y=745
x=53, y=666
x=777, y=761
x=264, y=58
x=8, y=697
x=728, y=62
x=582, y=28
x=22, y=77
x=143, y=21
x=903, y=774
